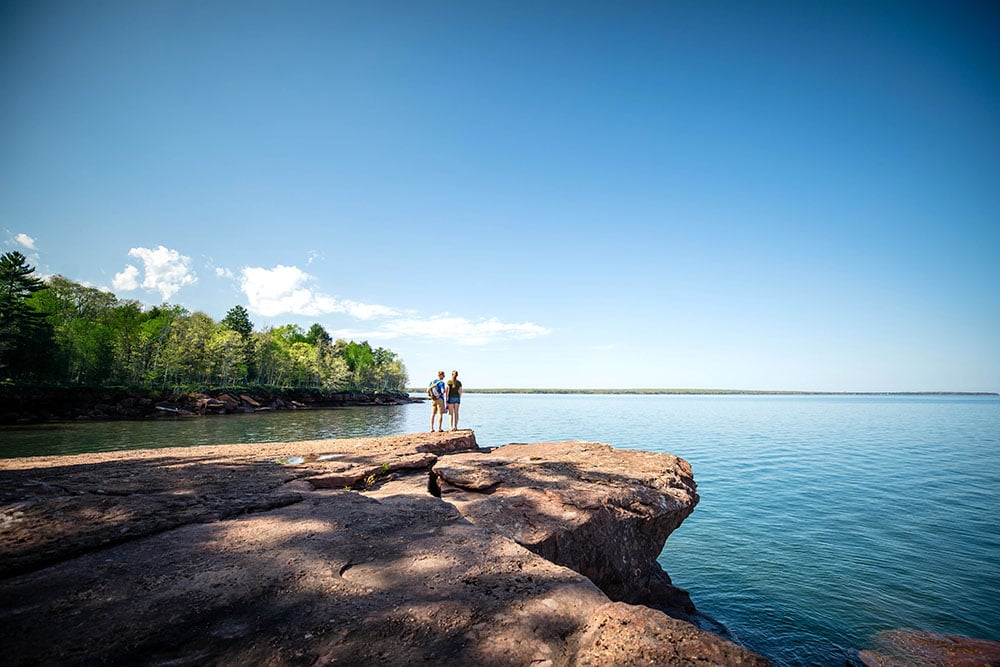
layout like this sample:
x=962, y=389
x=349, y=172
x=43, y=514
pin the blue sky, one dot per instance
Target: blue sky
x=749, y=195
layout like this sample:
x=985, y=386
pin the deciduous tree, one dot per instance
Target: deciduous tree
x=83, y=335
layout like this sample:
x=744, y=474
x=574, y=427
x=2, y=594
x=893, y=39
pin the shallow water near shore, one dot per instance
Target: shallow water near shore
x=823, y=519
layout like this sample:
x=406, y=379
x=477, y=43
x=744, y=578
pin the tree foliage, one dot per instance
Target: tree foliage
x=24, y=333
x=238, y=319
x=90, y=337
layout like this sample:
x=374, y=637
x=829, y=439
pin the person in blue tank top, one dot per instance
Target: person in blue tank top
x=437, y=392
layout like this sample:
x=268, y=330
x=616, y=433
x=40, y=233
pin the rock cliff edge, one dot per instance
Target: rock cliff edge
x=397, y=550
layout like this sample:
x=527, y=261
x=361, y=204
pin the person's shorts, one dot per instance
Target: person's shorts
x=455, y=400
x=438, y=405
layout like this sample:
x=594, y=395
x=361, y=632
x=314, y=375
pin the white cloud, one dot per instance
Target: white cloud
x=223, y=273
x=285, y=289
x=453, y=329
x=366, y=311
x=26, y=241
x=128, y=279
x=166, y=271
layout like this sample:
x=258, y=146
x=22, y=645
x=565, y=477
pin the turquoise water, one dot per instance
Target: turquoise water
x=823, y=519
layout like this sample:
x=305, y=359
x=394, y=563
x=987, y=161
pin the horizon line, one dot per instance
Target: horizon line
x=640, y=390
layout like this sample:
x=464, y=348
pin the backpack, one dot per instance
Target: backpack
x=430, y=389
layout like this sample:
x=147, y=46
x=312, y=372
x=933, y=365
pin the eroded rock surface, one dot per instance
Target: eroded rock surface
x=563, y=499
x=256, y=554
x=55, y=507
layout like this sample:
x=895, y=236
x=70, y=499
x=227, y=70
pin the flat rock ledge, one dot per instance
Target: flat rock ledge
x=399, y=550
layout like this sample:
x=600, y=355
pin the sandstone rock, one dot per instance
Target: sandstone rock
x=249, y=401
x=231, y=404
x=562, y=499
x=913, y=648
x=237, y=554
x=621, y=634
x=111, y=497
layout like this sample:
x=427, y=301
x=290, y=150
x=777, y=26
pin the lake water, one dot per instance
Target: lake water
x=823, y=519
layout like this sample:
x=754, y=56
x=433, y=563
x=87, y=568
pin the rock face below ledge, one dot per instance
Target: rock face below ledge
x=562, y=499
x=258, y=554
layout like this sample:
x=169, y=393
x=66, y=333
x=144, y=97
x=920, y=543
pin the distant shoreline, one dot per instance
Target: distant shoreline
x=723, y=392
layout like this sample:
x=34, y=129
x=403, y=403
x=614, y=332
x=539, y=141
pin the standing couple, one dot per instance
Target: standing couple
x=446, y=397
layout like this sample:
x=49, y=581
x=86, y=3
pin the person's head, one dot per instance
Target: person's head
x=440, y=375
x=454, y=375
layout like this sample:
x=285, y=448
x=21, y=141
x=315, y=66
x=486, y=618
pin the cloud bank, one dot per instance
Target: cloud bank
x=164, y=271
x=460, y=329
x=288, y=290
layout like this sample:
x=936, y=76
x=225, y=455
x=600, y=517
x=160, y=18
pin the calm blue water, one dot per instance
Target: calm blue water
x=823, y=519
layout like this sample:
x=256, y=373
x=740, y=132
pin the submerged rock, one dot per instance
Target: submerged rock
x=913, y=648
x=221, y=555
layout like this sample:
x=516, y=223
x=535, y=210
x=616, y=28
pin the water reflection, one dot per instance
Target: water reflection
x=285, y=426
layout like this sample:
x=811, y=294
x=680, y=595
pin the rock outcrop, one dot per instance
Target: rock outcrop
x=341, y=552
x=561, y=499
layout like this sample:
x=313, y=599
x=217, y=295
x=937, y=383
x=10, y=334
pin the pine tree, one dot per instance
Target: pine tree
x=238, y=319
x=24, y=334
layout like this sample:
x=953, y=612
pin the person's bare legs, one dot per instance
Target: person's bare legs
x=453, y=415
x=436, y=411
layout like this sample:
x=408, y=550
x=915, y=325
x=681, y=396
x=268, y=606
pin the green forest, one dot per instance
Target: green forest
x=58, y=332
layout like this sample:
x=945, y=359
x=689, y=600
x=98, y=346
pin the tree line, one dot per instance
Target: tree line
x=61, y=332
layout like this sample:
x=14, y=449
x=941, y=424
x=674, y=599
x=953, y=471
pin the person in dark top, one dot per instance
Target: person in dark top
x=453, y=396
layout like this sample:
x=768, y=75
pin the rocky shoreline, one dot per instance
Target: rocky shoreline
x=396, y=550
x=408, y=549
x=27, y=405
